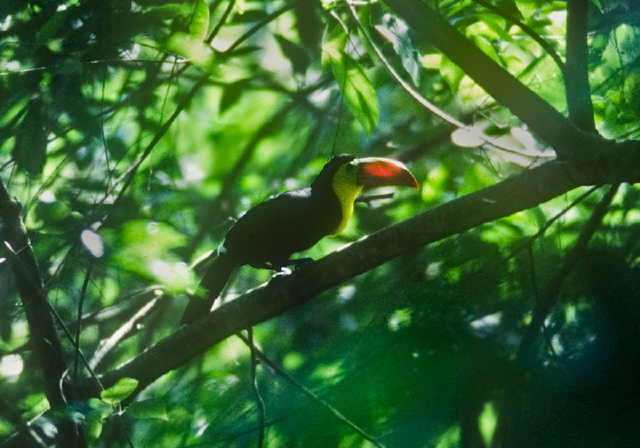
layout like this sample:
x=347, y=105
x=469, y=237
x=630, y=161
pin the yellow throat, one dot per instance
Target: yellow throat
x=346, y=189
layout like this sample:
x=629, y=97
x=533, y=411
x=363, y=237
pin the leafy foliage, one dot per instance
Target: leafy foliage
x=133, y=132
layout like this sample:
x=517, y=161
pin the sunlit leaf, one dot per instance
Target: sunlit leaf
x=146, y=248
x=119, y=391
x=488, y=421
x=396, y=31
x=356, y=88
x=99, y=405
x=152, y=408
x=191, y=48
x=153, y=237
x=199, y=24
x=93, y=424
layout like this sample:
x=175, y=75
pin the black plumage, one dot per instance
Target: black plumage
x=268, y=234
x=290, y=222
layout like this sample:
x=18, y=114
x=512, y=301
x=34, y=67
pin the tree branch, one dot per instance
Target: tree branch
x=43, y=334
x=527, y=29
x=576, y=74
x=546, y=302
x=283, y=293
x=569, y=142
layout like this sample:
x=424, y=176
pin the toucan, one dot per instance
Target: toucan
x=268, y=234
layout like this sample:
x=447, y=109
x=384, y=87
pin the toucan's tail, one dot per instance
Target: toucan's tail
x=212, y=283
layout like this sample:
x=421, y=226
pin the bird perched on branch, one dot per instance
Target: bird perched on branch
x=268, y=234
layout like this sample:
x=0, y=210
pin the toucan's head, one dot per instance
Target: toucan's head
x=368, y=172
x=349, y=176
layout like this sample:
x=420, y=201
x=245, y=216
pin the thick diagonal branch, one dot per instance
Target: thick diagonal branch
x=284, y=293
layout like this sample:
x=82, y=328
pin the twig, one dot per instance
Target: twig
x=254, y=384
x=276, y=368
x=421, y=99
x=546, y=302
x=106, y=345
x=83, y=292
x=274, y=15
x=43, y=334
x=221, y=22
x=528, y=30
x=542, y=230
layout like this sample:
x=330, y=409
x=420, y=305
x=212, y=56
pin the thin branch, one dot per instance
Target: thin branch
x=421, y=99
x=546, y=302
x=527, y=30
x=83, y=292
x=221, y=22
x=124, y=330
x=551, y=221
x=306, y=391
x=285, y=292
x=254, y=384
x=43, y=333
x=569, y=142
x=129, y=174
x=274, y=15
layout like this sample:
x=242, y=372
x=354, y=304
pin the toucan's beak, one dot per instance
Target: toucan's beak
x=380, y=172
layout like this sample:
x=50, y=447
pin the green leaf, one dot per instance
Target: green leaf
x=356, y=88
x=52, y=27
x=297, y=56
x=396, y=31
x=156, y=237
x=200, y=21
x=232, y=94
x=93, y=425
x=30, y=147
x=145, y=247
x=119, y=391
x=99, y=405
x=193, y=49
x=148, y=409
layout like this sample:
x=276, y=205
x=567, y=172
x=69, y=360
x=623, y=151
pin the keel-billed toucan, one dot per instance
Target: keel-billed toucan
x=269, y=233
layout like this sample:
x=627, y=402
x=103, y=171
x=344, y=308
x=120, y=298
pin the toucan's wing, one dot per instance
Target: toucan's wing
x=279, y=227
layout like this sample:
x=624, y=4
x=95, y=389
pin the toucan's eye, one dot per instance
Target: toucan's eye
x=351, y=167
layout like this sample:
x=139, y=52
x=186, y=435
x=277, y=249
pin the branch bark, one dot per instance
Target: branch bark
x=577, y=67
x=609, y=162
x=283, y=293
x=42, y=330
